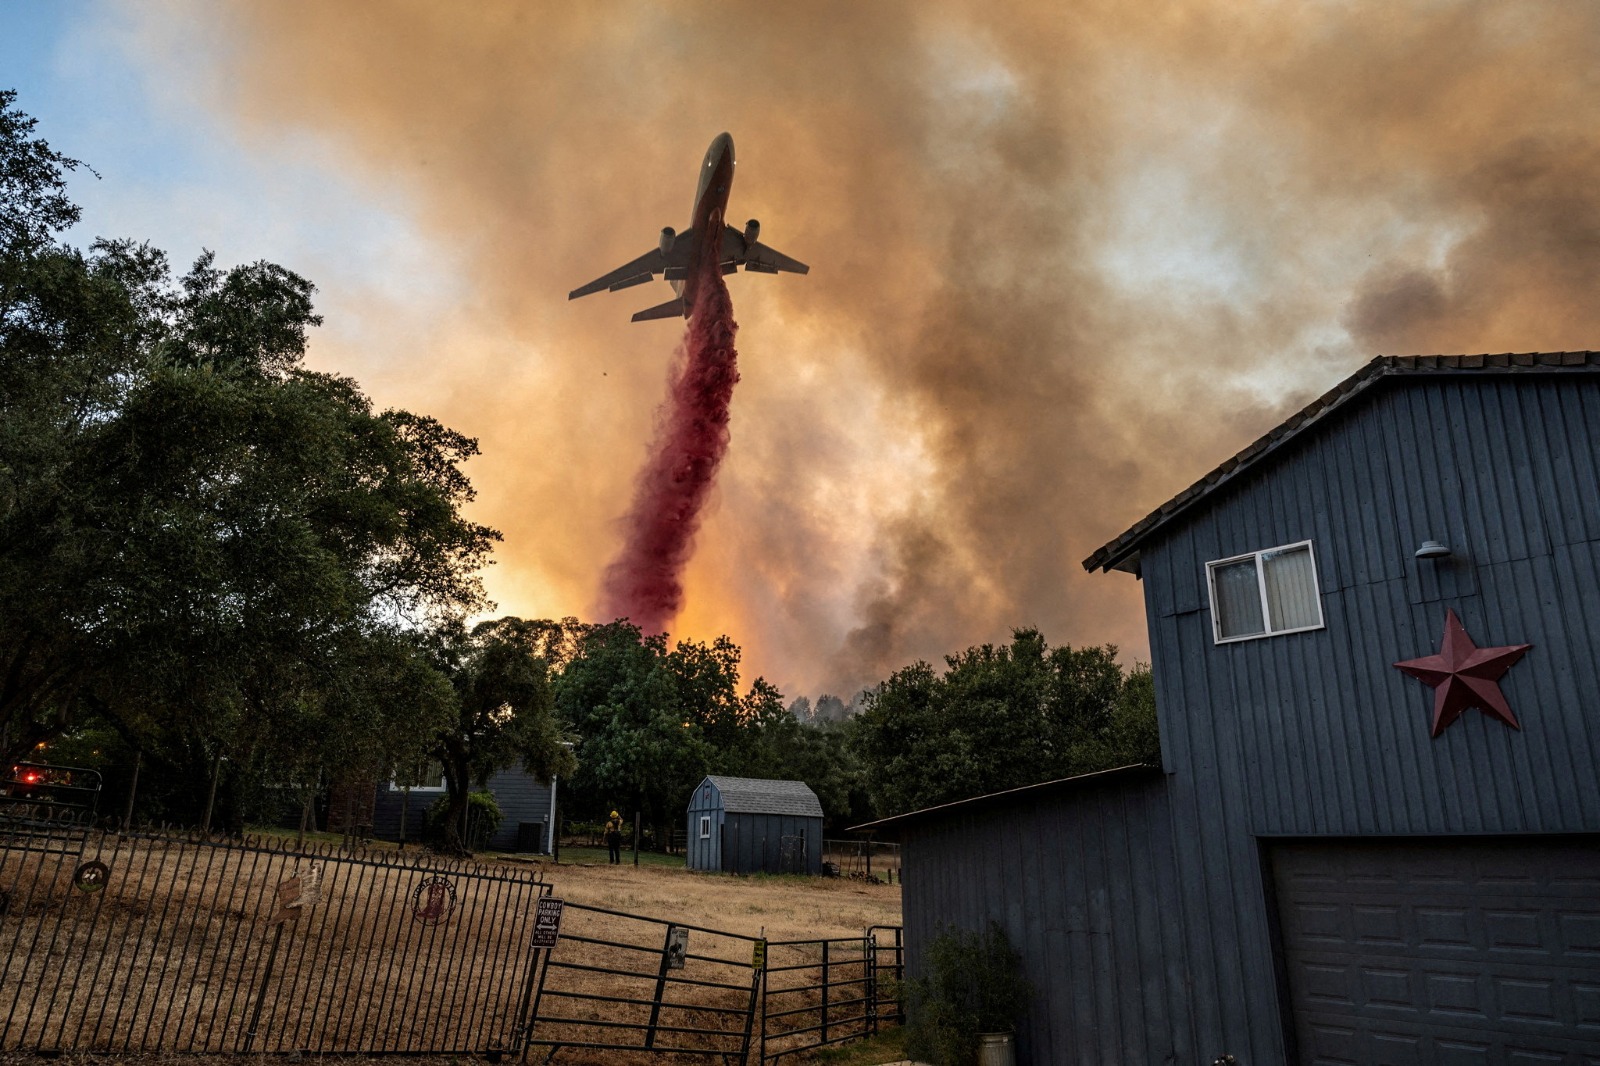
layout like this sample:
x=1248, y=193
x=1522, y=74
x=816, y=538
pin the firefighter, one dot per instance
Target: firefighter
x=614, y=837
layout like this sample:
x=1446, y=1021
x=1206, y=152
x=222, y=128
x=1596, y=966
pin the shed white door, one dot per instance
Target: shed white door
x=1439, y=950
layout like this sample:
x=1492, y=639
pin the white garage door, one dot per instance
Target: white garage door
x=1439, y=950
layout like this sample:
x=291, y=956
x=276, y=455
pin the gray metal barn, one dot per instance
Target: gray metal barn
x=1375, y=834
x=746, y=825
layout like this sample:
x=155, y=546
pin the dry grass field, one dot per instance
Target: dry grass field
x=172, y=952
x=789, y=908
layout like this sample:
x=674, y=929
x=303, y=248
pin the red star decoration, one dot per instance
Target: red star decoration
x=1464, y=675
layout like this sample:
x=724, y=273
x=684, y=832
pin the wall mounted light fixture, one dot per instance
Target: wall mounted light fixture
x=1432, y=549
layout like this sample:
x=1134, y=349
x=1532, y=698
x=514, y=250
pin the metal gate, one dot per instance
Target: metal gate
x=621, y=982
x=126, y=942
x=821, y=992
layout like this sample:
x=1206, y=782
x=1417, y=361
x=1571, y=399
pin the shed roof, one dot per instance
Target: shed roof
x=1122, y=553
x=755, y=795
x=1116, y=775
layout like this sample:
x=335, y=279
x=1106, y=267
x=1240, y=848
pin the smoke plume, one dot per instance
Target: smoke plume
x=645, y=582
x=1065, y=258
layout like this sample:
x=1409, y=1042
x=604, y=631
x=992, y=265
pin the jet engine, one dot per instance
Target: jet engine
x=668, y=234
x=752, y=230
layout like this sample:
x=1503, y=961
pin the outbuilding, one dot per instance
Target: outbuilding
x=1375, y=833
x=747, y=825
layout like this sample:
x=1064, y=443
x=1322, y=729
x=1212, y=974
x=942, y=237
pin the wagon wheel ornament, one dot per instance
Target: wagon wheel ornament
x=91, y=876
x=433, y=901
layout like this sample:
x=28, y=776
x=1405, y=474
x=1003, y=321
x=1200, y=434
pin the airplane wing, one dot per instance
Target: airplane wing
x=757, y=257
x=637, y=272
x=641, y=269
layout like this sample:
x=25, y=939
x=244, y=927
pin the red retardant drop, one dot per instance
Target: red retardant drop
x=645, y=582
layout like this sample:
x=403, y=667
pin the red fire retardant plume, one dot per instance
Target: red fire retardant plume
x=645, y=582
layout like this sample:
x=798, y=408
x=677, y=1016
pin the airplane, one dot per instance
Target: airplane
x=679, y=254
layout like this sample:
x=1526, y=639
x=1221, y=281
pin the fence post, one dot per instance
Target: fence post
x=525, y=1023
x=869, y=952
x=757, y=982
x=261, y=993
x=824, y=991
x=661, y=988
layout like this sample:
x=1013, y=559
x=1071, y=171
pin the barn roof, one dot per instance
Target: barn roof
x=755, y=795
x=1116, y=775
x=1122, y=553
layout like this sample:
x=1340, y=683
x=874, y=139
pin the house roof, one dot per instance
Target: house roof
x=1116, y=775
x=755, y=795
x=1122, y=553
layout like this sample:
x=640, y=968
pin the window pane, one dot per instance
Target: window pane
x=1291, y=588
x=1238, y=599
x=429, y=775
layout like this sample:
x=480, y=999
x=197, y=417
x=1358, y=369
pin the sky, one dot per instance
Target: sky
x=1065, y=258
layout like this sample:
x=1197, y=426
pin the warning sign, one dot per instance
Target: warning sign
x=758, y=955
x=547, y=922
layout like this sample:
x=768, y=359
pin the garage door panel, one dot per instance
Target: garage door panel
x=1442, y=950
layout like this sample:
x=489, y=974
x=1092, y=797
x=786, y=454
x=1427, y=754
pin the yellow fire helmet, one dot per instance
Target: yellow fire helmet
x=614, y=814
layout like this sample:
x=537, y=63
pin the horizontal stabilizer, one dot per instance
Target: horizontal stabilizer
x=670, y=309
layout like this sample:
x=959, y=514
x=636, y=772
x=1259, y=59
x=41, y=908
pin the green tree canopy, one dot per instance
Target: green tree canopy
x=1001, y=717
x=199, y=537
x=503, y=710
x=640, y=723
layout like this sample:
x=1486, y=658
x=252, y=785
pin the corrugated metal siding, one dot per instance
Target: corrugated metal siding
x=1082, y=883
x=1316, y=733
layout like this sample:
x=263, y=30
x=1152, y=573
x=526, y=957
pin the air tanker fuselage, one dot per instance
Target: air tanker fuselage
x=709, y=243
x=710, y=207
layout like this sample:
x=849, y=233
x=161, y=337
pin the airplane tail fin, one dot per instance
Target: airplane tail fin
x=670, y=309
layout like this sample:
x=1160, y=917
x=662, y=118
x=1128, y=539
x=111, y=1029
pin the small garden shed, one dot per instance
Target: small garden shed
x=746, y=825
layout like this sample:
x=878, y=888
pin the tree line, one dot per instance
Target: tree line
x=221, y=568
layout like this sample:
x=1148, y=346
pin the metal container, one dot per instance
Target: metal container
x=997, y=1049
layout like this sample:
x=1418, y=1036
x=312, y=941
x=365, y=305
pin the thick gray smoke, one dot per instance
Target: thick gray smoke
x=1065, y=258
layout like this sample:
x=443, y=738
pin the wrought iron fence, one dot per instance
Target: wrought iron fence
x=126, y=942
x=147, y=941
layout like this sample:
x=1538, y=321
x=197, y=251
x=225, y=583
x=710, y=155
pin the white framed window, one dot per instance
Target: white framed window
x=429, y=777
x=1265, y=593
x=705, y=827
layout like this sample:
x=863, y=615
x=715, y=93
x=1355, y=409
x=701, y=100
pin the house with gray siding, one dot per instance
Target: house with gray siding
x=1375, y=833
x=746, y=825
x=524, y=803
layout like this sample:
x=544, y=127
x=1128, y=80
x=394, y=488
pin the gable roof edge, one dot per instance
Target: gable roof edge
x=1122, y=551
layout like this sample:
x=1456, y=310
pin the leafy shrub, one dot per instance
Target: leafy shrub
x=483, y=818
x=973, y=984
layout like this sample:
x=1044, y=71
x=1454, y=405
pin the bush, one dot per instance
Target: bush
x=973, y=985
x=483, y=818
